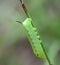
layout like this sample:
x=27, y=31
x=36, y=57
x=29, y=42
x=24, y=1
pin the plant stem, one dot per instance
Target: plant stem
x=46, y=55
x=24, y=8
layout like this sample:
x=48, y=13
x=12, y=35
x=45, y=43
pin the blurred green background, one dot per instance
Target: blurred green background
x=15, y=48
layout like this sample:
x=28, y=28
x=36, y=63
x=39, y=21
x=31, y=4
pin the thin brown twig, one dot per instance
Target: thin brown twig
x=24, y=8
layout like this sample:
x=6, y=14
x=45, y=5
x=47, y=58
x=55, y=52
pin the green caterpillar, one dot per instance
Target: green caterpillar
x=34, y=38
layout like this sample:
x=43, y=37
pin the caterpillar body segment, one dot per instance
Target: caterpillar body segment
x=34, y=38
